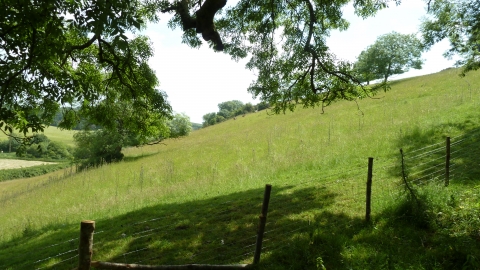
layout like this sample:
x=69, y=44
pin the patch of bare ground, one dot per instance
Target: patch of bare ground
x=15, y=163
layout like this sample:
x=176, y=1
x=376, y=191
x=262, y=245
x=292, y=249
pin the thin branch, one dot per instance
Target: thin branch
x=115, y=66
x=79, y=47
x=404, y=177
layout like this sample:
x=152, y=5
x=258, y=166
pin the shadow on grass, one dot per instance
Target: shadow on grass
x=135, y=158
x=303, y=232
x=219, y=230
x=392, y=241
x=425, y=152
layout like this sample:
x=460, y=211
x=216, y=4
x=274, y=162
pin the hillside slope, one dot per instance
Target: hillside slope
x=316, y=163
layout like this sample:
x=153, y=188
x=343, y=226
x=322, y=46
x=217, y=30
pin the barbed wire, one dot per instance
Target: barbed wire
x=428, y=176
x=426, y=147
x=427, y=169
x=426, y=162
x=55, y=256
x=285, y=217
x=58, y=263
x=407, y=156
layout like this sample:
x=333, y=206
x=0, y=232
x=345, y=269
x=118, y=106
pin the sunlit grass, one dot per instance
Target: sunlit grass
x=54, y=134
x=235, y=159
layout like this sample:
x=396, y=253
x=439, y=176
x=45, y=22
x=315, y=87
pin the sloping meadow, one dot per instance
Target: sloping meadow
x=197, y=199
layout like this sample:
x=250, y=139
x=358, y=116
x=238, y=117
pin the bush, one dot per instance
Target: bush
x=41, y=147
x=9, y=145
x=180, y=125
x=97, y=147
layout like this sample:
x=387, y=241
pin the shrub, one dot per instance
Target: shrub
x=9, y=145
x=41, y=147
x=96, y=147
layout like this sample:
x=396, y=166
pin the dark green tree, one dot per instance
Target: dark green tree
x=209, y=119
x=459, y=22
x=248, y=108
x=95, y=148
x=391, y=54
x=129, y=124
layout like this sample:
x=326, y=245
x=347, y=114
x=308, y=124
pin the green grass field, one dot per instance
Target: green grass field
x=197, y=199
x=54, y=134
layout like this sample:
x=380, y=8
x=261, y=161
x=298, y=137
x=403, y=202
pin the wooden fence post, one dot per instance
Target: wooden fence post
x=369, y=189
x=447, y=163
x=261, y=226
x=85, y=248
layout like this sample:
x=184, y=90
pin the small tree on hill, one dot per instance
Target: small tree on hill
x=130, y=123
x=180, y=125
x=391, y=54
x=209, y=119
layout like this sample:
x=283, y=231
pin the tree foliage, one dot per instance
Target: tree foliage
x=286, y=42
x=64, y=54
x=459, y=22
x=94, y=148
x=231, y=109
x=180, y=125
x=230, y=106
x=40, y=146
x=391, y=54
x=128, y=124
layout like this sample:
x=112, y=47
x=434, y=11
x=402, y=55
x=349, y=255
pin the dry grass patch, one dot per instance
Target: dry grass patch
x=15, y=163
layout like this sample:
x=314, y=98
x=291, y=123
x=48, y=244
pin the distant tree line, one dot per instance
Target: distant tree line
x=231, y=109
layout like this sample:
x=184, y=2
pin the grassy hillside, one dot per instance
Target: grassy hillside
x=197, y=199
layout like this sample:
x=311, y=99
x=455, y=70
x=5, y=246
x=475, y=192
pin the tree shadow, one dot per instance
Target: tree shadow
x=219, y=230
x=306, y=229
x=138, y=157
x=425, y=153
x=391, y=241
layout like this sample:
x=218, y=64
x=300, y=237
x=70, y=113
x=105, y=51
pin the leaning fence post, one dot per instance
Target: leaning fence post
x=447, y=163
x=261, y=226
x=85, y=248
x=369, y=189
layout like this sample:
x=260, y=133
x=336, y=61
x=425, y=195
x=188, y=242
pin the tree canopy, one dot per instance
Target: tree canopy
x=391, y=54
x=64, y=54
x=459, y=22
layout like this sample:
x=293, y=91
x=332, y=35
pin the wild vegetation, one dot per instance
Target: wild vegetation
x=230, y=110
x=54, y=147
x=190, y=198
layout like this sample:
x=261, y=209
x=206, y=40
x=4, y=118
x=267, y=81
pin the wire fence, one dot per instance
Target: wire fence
x=226, y=231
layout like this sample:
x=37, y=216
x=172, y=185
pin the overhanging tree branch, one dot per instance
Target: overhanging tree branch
x=203, y=20
x=29, y=61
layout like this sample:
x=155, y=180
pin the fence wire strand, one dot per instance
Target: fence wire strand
x=285, y=219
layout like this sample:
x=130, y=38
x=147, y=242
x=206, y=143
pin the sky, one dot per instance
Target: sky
x=197, y=80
